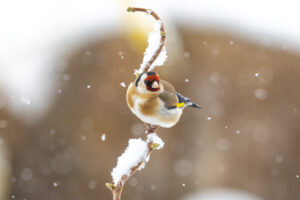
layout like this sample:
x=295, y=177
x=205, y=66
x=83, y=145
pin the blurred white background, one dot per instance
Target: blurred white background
x=36, y=35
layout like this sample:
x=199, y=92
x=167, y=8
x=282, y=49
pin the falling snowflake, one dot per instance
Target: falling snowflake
x=103, y=137
x=121, y=55
x=123, y=84
x=57, y=183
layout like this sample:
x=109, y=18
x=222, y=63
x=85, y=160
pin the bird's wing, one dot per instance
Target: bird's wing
x=169, y=95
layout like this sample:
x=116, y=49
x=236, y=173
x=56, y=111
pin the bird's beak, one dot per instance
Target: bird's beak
x=155, y=84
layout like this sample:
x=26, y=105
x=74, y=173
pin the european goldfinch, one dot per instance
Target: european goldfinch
x=156, y=101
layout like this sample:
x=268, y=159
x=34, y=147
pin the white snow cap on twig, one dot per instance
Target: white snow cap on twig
x=136, y=152
x=153, y=45
x=153, y=137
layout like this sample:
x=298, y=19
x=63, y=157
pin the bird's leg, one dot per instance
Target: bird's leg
x=151, y=128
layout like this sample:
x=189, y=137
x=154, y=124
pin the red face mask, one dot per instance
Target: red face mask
x=149, y=81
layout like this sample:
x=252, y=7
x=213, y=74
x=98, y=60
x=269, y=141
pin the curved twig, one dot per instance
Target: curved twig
x=162, y=33
x=117, y=189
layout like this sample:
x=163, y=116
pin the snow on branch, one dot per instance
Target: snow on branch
x=156, y=53
x=153, y=137
x=153, y=45
x=135, y=157
x=138, y=152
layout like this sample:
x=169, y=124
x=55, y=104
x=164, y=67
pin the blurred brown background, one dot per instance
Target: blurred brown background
x=251, y=143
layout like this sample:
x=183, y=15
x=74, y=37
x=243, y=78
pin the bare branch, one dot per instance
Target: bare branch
x=162, y=33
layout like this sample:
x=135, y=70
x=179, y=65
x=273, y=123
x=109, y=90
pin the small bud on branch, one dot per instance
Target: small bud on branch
x=154, y=145
x=129, y=9
x=110, y=186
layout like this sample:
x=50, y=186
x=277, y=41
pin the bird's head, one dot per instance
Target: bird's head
x=148, y=83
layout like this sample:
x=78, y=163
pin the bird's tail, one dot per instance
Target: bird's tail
x=186, y=102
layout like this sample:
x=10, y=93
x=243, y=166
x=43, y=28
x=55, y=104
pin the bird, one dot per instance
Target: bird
x=155, y=101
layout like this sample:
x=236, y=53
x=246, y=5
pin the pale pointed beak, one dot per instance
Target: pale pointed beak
x=155, y=84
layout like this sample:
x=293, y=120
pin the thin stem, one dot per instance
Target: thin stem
x=162, y=33
x=117, y=190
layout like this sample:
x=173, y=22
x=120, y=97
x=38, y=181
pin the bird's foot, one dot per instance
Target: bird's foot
x=151, y=128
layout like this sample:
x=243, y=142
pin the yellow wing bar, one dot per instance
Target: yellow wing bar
x=178, y=105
